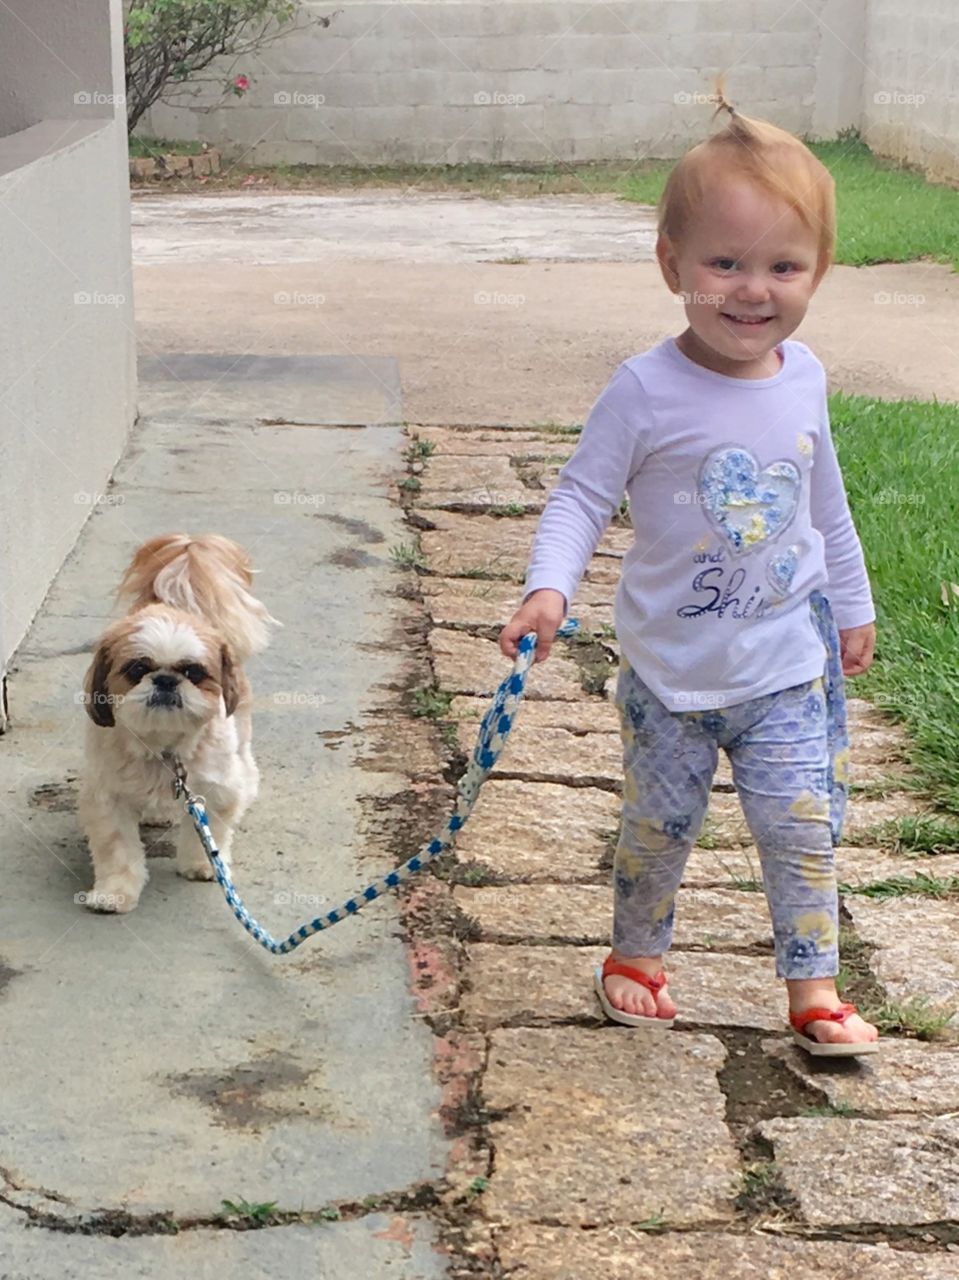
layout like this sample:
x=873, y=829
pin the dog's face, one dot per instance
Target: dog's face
x=160, y=672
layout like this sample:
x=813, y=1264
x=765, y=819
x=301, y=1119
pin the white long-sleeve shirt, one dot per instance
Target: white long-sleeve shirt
x=738, y=510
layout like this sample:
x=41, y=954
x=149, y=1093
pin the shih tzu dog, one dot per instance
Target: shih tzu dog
x=167, y=681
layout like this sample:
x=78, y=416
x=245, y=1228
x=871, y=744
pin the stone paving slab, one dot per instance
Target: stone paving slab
x=555, y=755
x=466, y=664
x=906, y=1076
x=401, y=1247
x=500, y=547
x=621, y=1253
x=581, y=915
x=538, y=985
x=476, y=482
x=539, y=830
x=893, y=1172
x=917, y=941
x=576, y=1142
x=489, y=441
x=593, y=715
x=726, y=824
x=489, y=602
x=855, y=865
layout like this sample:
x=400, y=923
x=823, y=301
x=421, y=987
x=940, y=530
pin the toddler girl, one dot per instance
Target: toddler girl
x=744, y=563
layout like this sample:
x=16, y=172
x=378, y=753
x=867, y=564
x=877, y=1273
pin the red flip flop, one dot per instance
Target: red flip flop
x=613, y=968
x=827, y=1049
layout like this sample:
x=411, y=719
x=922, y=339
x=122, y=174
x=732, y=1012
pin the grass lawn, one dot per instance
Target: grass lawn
x=885, y=214
x=900, y=460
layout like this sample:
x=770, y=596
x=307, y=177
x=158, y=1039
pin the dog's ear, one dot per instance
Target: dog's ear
x=98, y=701
x=228, y=681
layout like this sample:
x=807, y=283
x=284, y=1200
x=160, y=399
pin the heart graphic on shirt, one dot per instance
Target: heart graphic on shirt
x=747, y=505
x=781, y=569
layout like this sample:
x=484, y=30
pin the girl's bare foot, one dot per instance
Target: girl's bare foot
x=633, y=997
x=821, y=993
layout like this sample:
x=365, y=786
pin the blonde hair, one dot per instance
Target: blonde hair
x=773, y=159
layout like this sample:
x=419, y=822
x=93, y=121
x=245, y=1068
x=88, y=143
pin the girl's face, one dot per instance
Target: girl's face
x=745, y=271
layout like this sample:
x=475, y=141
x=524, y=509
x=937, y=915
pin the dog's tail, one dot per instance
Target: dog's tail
x=208, y=575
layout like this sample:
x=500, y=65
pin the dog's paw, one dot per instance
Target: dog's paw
x=116, y=894
x=195, y=871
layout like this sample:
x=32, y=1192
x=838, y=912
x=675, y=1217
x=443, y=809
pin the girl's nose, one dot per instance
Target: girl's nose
x=752, y=289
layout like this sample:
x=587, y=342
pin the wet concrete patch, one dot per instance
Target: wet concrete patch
x=361, y=529
x=352, y=558
x=253, y=1093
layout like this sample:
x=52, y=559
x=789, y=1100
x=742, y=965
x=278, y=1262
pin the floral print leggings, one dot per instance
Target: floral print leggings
x=789, y=754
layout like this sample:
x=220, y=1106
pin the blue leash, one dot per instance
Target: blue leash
x=494, y=731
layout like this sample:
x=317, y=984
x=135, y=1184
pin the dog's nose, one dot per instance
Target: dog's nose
x=166, y=684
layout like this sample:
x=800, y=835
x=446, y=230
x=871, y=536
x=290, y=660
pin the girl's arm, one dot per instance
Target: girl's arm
x=590, y=489
x=848, y=588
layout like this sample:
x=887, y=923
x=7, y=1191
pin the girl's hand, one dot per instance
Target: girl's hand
x=543, y=613
x=856, y=647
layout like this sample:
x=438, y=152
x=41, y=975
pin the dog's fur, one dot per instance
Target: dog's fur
x=168, y=678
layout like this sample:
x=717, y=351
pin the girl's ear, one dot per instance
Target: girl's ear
x=666, y=257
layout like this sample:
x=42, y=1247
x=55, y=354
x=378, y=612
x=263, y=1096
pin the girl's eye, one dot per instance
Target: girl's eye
x=195, y=674
x=785, y=268
x=724, y=264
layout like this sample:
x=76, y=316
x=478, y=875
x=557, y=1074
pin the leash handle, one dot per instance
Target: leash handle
x=494, y=730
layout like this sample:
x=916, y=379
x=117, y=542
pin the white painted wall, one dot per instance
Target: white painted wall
x=67, y=353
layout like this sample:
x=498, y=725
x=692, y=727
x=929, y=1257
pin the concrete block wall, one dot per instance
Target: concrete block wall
x=911, y=84
x=528, y=81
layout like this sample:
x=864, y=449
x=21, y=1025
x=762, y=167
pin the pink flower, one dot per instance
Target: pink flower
x=242, y=83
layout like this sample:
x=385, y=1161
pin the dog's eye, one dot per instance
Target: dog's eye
x=136, y=670
x=195, y=674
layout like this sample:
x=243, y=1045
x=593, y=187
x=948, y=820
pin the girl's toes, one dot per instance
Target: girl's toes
x=665, y=1007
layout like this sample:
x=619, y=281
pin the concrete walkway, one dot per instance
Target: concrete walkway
x=157, y=1064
